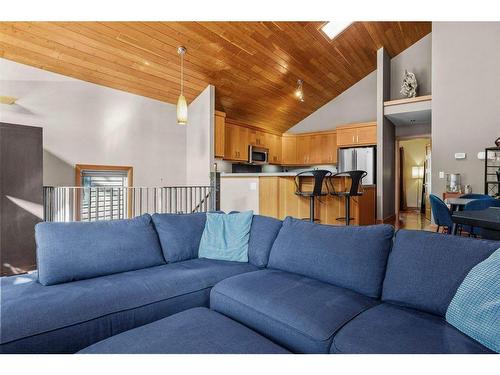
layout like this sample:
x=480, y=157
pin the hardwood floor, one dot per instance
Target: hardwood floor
x=413, y=219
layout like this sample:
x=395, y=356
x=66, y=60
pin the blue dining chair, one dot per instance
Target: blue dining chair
x=477, y=205
x=441, y=213
x=476, y=196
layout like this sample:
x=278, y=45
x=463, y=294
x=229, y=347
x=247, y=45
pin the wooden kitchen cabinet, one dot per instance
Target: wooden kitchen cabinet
x=329, y=148
x=236, y=142
x=367, y=135
x=318, y=148
x=357, y=135
x=269, y=196
x=303, y=149
x=273, y=143
x=258, y=138
x=219, y=134
x=289, y=150
x=277, y=199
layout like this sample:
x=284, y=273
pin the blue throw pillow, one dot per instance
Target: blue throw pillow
x=475, y=308
x=225, y=237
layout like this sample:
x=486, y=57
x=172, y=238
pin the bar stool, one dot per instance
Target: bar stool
x=319, y=176
x=356, y=177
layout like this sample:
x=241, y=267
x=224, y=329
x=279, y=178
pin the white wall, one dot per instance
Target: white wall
x=84, y=123
x=200, y=138
x=239, y=194
x=465, y=98
x=356, y=104
x=417, y=59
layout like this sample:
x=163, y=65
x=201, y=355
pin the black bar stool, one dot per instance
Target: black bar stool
x=356, y=177
x=319, y=176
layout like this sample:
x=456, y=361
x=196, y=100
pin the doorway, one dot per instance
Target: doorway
x=413, y=171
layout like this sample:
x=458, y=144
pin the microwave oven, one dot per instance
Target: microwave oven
x=258, y=155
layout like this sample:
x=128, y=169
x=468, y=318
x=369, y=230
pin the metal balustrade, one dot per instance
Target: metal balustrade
x=71, y=203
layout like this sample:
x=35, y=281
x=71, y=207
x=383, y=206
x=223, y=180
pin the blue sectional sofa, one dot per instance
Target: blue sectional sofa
x=138, y=286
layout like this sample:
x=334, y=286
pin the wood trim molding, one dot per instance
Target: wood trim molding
x=416, y=99
x=78, y=180
x=251, y=127
x=81, y=167
x=322, y=132
x=387, y=220
x=357, y=125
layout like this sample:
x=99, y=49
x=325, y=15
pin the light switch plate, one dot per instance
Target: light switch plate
x=460, y=155
x=441, y=174
x=253, y=186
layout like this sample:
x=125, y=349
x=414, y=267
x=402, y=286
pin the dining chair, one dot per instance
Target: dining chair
x=441, y=213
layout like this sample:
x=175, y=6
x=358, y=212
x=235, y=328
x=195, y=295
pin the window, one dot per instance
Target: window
x=334, y=28
x=104, y=194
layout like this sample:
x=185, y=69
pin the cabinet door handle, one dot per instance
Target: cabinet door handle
x=353, y=139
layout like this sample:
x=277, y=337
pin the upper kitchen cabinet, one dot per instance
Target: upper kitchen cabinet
x=273, y=143
x=236, y=142
x=289, y=150
x=357, y=135
x=304, y=149
x=219, y=134
x=328, y=148
x=258, y=138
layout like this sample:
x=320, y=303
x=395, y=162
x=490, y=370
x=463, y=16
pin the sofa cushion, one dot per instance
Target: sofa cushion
x=195, y=331
x=349, y=257
x=425, y=269
x=68, y=317
x=180, y=235
x=225, y=237
x=82, y=250
x=297, y=312
x=475, y=308
x=388, y=328
x=263, y=232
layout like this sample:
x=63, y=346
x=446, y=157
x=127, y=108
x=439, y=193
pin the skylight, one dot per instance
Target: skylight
x=334, y=28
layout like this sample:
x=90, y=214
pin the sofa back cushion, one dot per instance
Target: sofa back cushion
x=349, y=257
x=425, y=269
x=263, y=232
x=180, y=235
x=82, y=250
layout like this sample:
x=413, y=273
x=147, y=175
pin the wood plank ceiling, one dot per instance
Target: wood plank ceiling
x=253, y=65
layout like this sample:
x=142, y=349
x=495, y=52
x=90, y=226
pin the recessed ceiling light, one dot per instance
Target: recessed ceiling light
x=334, y=28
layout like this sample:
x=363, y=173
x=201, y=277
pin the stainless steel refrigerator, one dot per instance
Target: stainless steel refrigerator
x=359, y=158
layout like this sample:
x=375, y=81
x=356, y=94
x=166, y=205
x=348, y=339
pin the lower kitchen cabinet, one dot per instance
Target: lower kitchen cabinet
x=277, y=199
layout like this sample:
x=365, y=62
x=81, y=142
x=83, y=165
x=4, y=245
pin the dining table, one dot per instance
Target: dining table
x=488, y=220
x=457, y=204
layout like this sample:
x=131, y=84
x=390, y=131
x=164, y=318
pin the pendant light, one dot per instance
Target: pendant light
x=299, y=92
x=182, y=109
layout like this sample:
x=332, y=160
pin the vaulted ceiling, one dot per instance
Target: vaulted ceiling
x=254, y=66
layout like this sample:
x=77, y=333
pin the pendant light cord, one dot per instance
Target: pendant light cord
x=182, y=74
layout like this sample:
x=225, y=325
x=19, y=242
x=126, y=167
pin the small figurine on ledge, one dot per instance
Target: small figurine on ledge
x=409, y=86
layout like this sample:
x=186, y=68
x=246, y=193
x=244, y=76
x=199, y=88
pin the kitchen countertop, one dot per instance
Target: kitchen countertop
x=272, y=174
x=262, y=174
